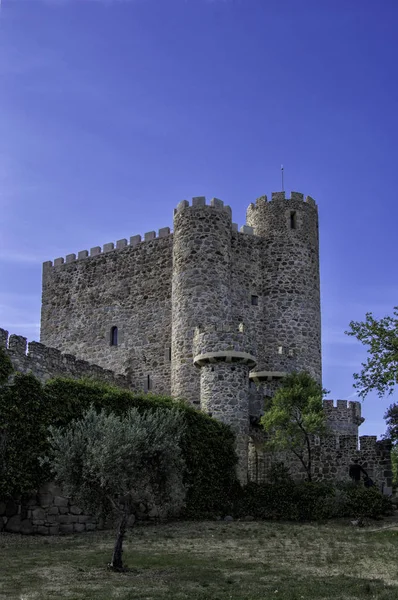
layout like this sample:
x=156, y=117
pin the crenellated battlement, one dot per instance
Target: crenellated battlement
x=281, y=197
x=345, y=417
x=45, y=362
x=200, y=202
x=135, y=240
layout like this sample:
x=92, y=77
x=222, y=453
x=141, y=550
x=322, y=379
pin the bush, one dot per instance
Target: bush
x=28, y=408
x=309, y=501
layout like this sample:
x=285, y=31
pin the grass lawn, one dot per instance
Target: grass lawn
x=207, y=561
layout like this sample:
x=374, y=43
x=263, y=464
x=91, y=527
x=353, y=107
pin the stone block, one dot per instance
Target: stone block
x=63, y=519
x=70, y=258
x=53, y=510
x=60, y=501
x=38, y=513
x=64, y=528
x=13, y=524
x=164, y=232
x=75, y=510
x=79, y=527
x=43, y=530
x=121, y=244
x=95, y=251
x=150, y=235
x=216, y=203
x=26, y=527
x=51, y=519
x=90, y=526
x=108, y=247
x=63, y=510
x=73, y=519
x=247, y=229
x=54, y=529
x=199, y=201
x=38, y=522
x=134, y=240
x=2, y=508
x=32, y=501
x=84, y=518
x=181, y=205
x=45, y=499
x=82, y=254
x=58, y=261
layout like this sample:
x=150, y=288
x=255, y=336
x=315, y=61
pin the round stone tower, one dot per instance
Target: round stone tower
x=201, y=284
x=291, y=314
x=225, y=356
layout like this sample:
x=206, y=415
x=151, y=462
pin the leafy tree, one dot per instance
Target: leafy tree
x=295, y=416
x=110, y=463
x=391, y=417
x=380, y=372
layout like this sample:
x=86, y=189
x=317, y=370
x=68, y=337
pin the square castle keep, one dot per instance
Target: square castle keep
x=212, y=314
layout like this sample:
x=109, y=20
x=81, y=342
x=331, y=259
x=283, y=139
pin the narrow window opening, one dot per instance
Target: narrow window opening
x=254, y=300
x=293, y=220
x=167, y=354
x=280, y=349
x=148, y=382
x=113, y=337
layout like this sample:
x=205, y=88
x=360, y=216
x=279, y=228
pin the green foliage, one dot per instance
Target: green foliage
x=309, y=501
x=103, y=457
x=295, y=414
x=394, y=462
x=5, y=367
x=380, y=372
x=24, y=418
x=207, y=445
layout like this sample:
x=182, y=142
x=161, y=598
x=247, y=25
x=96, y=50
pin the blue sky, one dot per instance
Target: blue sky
x=112, y=111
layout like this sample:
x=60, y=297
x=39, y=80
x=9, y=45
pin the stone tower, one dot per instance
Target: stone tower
x=291, y=314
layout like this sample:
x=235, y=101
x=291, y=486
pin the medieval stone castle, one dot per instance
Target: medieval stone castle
x=210, y=314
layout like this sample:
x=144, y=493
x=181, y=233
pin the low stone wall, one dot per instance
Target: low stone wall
x=48, y=512
x=45, y=362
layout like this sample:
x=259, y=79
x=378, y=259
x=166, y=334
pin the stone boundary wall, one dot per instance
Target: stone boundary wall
x=45, y=362
x=332, y=457
x=48, y=512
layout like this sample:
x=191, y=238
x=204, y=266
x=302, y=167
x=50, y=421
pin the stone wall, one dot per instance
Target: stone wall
x=332, y=454
x=46, y=363
x=48, y=512
x=128, y=287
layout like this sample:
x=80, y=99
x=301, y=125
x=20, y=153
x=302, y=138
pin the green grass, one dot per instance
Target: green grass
x=206, y=561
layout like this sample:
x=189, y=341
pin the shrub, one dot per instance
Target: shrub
x=309, y=501
x=28, y=408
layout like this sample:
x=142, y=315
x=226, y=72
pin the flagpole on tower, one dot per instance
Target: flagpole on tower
x=283, y=189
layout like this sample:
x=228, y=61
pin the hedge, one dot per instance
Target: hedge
x=27, y=408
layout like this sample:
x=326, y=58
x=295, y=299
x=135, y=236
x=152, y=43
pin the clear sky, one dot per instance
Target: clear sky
x=112, y=111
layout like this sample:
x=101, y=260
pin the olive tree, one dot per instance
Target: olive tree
x=110, y=463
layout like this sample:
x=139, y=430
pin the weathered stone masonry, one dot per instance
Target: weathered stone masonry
x=208, y=313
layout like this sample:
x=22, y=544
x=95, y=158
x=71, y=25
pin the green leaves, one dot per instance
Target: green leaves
x=295, y=414
x=380, y=372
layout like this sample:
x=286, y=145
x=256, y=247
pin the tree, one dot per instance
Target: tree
x=110, y=463
x=380, y=372
x=295, y=416
x=391, y=417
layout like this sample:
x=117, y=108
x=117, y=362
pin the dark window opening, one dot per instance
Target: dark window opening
x=148, y=382
x=167, y=354
x=113, y=339
x=293, y=220
x=254, y=300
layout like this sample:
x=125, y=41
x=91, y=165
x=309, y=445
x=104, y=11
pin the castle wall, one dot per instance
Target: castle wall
x=129, y=288
x=46, y=363
x=332, y=454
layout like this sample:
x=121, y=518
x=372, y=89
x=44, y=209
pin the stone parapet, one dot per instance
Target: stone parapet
x=45, y=362
x=228, y=342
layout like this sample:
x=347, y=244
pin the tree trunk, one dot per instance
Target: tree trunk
x=117, y=559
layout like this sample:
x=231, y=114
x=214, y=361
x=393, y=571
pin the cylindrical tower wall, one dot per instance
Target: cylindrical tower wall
x=225, y=356
x=291, y=287
x=200, y=286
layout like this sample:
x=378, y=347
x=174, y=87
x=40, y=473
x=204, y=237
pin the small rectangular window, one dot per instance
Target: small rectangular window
x=293, y=219
x=254, y=300
x=167, y=354
x=147, y=383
